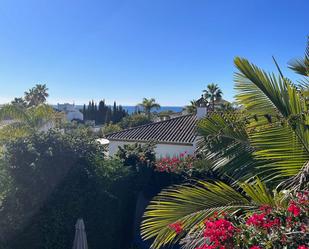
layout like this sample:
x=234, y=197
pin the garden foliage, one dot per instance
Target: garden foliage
x=56, y=179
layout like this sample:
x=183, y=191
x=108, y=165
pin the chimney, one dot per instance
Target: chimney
x=201, y=108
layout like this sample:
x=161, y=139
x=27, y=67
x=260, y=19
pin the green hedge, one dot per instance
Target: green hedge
x=55, y=180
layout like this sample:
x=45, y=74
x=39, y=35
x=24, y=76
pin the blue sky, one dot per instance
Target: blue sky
x=125, y=50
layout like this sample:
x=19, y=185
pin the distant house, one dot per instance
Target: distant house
x=172, y=136
x=71, y=112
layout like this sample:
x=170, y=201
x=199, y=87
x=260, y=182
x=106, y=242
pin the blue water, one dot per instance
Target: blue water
x=131, y=109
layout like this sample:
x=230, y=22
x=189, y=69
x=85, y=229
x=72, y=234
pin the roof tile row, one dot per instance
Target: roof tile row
x=177, y=130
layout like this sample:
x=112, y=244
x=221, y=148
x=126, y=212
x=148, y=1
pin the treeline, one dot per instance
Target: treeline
x=103, y=113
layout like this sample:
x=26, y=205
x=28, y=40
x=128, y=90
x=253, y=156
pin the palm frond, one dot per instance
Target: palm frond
x=299, y=181
x=281, y=147
x=301, y=66
x=262, y=93
x=284, y=142
x=252, y=92
x=15, y=112
x=256, y=191
x=14, y=130
x=24, y=120
x=40, y=114
x=190, y=205
x=225, y=143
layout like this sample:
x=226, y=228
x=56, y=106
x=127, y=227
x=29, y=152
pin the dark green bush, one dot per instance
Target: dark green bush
x=134, y=120
x=55, y=179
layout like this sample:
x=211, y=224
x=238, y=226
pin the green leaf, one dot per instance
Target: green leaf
x=280, y=144
x=190, y=205
x=226, y=145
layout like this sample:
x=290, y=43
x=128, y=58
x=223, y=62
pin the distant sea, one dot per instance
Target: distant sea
x=131, y=109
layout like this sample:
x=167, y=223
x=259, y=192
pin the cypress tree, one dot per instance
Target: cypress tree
x=114, y=113
x=96, y=113
x=101, y=112
x=85, y=112
x=108, y=115
x=89, y=111
x=92, y=110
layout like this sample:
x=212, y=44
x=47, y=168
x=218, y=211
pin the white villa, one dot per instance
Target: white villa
x=172, y=136
x=70, y=111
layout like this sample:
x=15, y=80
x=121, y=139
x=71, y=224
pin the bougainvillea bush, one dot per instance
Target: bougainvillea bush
x=282, y=226
x=176, y=164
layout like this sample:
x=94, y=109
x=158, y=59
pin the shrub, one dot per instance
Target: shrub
x=140, y=158
x=185, y=167
x=137, y=155
x=134, y=120
x=283, y=226
x=177, y=164
x=55, y=180
x=110, y=128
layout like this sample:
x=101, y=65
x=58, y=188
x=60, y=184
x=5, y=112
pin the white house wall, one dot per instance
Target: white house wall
x=162, y=150
x=74, y=115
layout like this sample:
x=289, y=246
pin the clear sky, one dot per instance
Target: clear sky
x=125, y=50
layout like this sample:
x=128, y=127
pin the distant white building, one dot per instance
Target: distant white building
x=172, y=137
x=70, y=111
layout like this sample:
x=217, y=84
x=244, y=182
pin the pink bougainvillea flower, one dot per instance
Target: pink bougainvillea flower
x=219, y=231
x=256, y=220
x=255, y=247
x=302, y=247
x=271, y=223
x=177, y=227
x=294, y=209
x=266, y=209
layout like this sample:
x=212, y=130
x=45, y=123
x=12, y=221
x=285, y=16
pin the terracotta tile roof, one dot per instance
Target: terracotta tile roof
x=181, y=130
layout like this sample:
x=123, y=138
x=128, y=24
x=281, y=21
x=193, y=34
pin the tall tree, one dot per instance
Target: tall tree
x=102, y=112
x=213, y=93
x=114, y=113
x=148, y=105
x=191, y=108
x=108, y=117
x=19, y=102
x=36, y=95
x=85, y=112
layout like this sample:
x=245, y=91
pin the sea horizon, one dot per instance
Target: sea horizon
x=131, y=108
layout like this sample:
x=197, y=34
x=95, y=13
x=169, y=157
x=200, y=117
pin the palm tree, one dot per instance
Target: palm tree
x=191, y=108
x=263, y=148
x=36, y=95
x=18, y=121
x=19, y=102
x=148, y=105
x=213, y=93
